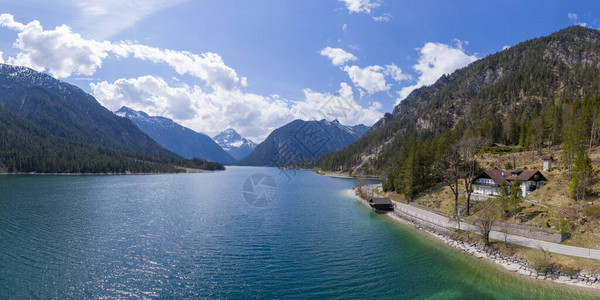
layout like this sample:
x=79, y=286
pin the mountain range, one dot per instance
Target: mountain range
x=500, y=96
x=234, y=144
x=300, y=140
x=511, y=97
x=49, y=126
x=181, y=140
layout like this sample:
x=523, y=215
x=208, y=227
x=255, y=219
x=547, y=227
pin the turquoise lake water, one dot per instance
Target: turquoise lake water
x=198, y=236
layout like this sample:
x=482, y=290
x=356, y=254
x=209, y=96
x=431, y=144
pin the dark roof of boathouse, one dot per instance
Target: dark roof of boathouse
x=380, y=200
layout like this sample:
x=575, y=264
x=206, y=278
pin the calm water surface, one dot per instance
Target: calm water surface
x=194, y=236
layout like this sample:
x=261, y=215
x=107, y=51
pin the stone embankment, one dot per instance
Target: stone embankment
x=480, y=251
x=522, y=266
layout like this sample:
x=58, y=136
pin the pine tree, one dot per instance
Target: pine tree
x=516, y=195
x=575, y=134
x=409, y=174
x=582, y=176
x=522, y=135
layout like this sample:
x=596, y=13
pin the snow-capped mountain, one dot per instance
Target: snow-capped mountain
x=234, y=144
x=181, y=140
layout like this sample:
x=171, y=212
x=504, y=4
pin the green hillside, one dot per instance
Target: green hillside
x=541, y=92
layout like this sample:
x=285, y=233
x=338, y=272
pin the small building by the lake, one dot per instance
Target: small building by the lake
x=381, y=204
x=488, y=182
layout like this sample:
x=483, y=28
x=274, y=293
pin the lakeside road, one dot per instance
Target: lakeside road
x=443, y=221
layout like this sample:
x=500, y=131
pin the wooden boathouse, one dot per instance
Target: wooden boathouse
x=381, y=205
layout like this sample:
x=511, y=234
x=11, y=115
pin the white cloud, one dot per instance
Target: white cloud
x=63, y=53
x=207, y=112
x=206, y=66
x=340, y=106
x=59, y=51
x=361, y=6
x=209, y=109
x=575, y=18
x=152, y=93
x=385, y=17
x=100, y=19
x=396, y=73
x=338, y=56
x=8, y=20
x=436, y=60
x=505, y=47
x=1, y=59
x=354, y=47
x=252, y=115
x=345, y=27
x=572, y=16
x=371, y=79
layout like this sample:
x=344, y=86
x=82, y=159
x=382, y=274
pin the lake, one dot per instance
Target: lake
x=242, y=233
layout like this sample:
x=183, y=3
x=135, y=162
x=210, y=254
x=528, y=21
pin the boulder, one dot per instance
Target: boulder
x=512, y=267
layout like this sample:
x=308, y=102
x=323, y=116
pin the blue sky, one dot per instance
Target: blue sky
x=257, y=65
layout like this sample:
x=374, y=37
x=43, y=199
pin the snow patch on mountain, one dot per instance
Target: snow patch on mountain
x=176, y=138
x=234, y=144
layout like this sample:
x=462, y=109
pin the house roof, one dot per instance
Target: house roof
x=495, y=175
x=524, y=175
x=510, y=175
x=380, y=201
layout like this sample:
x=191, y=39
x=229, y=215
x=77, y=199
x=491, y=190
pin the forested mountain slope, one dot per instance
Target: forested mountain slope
x=300, y=140
x=516, y=96
x=174, y=137
x=49, y=126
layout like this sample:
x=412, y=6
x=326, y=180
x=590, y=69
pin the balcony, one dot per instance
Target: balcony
x=486, y=184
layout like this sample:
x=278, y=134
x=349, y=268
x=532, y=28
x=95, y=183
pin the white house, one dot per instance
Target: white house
x=488, y=182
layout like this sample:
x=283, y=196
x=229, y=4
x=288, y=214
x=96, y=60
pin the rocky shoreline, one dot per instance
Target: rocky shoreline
x=509, y=263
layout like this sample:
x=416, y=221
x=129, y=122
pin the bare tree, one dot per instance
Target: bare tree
x=362, y=184
x=361, y=180
x=486, y=219
x=505, y=229
x=594, y=130
x=543, y=262
x=470, y=149
x=450, y=169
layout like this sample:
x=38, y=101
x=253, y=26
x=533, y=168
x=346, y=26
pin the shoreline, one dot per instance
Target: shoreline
x=187, y=171
x=343, y=175
x=493, y=257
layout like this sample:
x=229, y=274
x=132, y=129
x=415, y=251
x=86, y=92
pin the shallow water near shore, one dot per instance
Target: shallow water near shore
x=197, y=236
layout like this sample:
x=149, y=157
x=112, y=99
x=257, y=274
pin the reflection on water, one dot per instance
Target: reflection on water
x=195, y=236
